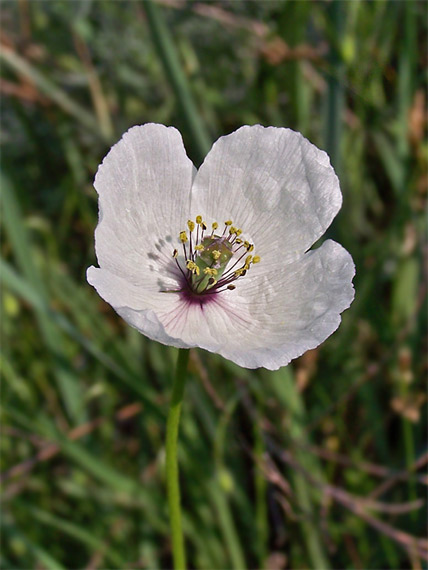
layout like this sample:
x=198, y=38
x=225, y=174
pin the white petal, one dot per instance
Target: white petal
x=138, y=306
x=144, y=188
x=266, y=322
x=291, y=311
x=274, y=184
x=166, y=317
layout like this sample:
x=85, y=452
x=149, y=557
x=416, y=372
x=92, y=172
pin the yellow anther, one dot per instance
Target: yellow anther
x=239, y=240
x=191, y=225
x=246, y=267
x=231, y=287
x=250, y=247
x=198, y=219
x=238, y=232
x=203, y=225
x=212, y=281
x=216, y=254
x=210, y=271
x=199, y=247
x=183, y=237
x=256, y=258
x=239, y=272
x=232, y=230
x=228, y=223
x=248, y=259
x=175, y=253
x=246, y=244
x=214, y=226
x=191, y=266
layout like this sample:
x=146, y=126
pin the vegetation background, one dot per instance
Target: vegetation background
x=319, y=465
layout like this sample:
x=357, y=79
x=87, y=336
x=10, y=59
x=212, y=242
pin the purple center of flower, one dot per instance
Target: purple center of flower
x=211, y=262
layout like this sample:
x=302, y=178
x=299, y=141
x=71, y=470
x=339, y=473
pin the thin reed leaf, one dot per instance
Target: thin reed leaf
x=19, y=65
x=14, y=282
x=77, y=533
x=177, y=78
x=22, y=249
x=285, y=388
x=334, y=103
x=40, y=554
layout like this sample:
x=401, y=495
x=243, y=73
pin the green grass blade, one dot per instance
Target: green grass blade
x=40, y=554
x=21, y=66
x=18, y=285
x=22, y=250
x=80, y=534
x=177, y=78
x=335, y=86
x=283, y=383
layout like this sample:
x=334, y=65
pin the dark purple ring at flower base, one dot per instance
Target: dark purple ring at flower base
x=210, y=261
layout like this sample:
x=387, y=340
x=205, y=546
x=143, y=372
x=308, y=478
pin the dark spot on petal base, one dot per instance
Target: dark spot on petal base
x=194, y=299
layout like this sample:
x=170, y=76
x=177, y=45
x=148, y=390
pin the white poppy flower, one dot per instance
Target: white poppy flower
x=218, y=257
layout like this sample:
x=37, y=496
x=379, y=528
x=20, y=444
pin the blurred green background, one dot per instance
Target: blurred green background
x=319, y=465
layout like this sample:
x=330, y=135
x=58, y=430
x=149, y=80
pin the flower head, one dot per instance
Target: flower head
x=218, y=258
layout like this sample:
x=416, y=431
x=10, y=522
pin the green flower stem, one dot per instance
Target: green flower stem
x=172, y=482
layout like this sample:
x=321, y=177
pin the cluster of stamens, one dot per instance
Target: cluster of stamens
x=206, y=256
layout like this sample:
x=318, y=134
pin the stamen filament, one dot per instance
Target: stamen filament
x=234, y=265
x=207, y=258
x=182, y=272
